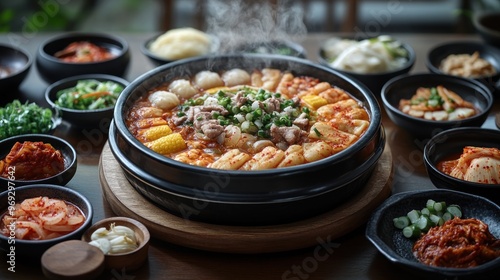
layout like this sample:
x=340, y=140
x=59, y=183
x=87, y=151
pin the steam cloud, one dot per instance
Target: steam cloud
x=241, y=22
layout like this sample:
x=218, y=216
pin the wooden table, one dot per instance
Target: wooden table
x=349, y=257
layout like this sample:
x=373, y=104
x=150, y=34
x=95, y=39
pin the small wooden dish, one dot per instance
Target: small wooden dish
x=132, y=260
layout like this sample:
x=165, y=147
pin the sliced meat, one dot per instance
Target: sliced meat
x=302, y=121
x=288, y=134
x=272, y=105
x=240, y=99
x=212, y=129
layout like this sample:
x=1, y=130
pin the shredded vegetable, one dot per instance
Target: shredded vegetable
x=89, y=95
x=17, y=118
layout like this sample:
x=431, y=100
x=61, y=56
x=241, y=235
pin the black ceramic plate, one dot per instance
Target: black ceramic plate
x=489, y=53
x=67, y=151
x=405, y=86
x=398, y=249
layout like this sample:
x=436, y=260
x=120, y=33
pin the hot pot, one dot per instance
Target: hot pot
x=246, y=197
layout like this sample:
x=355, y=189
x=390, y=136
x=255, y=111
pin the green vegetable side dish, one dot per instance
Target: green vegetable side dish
x=433, y=214
x=89, y=95
x=17, y=118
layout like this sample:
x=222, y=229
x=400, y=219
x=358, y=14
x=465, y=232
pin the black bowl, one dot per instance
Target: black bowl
x=67, y=151
x=158, y=60
x=52, y=69
x=15, y=64
x=282, y=183
x=82, y=117
x=405, y=86
x=489, y=53
x=394, y=246
x=273, y=47
x=31, y=250
x=450, y=144
x=486, y=24
x=374, y=81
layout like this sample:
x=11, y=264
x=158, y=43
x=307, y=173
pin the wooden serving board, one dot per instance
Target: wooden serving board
x=124, y=200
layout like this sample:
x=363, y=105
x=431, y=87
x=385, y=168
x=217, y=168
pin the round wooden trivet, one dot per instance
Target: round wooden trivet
x=124, y=200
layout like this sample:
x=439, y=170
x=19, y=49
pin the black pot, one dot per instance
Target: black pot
x=213, y=205
x=171, y=183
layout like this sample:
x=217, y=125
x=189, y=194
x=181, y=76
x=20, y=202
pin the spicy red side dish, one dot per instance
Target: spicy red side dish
x=458, y=243
x=81, y=52
x=32, y=161
x=41, y=218
x=475, y=164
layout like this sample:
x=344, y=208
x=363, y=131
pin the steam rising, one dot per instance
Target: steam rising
x=240, y=22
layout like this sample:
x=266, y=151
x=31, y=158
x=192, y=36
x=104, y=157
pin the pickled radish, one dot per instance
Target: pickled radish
x=41, y=218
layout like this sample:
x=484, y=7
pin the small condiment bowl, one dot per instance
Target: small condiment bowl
x=131, y=260
x=28, y=250
x=53, y=69
x=67, y=151
x=374, y=81
x=405, y=86
x=489, y=53
x=82, y=117
x=272, y=47
x=16, y=62
x=449, y=145
x=486, y=24
x=158, y=60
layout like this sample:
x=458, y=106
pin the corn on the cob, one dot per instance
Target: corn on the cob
x=167, y=144
x=153, y=133
x=314, y=101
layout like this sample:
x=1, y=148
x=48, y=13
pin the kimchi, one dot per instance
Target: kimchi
x=41, y=218
x=32, y=161
x=458, y=243
x=83, y=52
x=475, y=164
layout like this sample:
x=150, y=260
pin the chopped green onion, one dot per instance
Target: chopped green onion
x=423, y=223
x=413, y=215
x=433, y=214
x=401, y=222
x=455, y=211
x=411, y=231
x=317, y=132
x=17, y=118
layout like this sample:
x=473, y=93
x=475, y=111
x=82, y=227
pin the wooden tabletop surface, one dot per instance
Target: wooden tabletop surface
x=348, y=257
